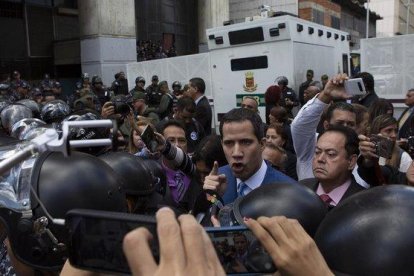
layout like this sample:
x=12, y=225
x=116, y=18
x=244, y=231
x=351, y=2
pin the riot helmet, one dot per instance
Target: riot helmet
x=140, y=79
x=128, y=166
x=34, y=106
x=21, y=127
x=370, y=233
x=13, y=113
x=61, y=184
x=54, y=111
x=276, y=200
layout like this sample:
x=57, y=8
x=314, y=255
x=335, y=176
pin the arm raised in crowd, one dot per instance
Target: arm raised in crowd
x=179, y=158
x=306, y=121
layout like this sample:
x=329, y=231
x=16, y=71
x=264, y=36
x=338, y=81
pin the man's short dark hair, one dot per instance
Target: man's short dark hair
x=351, y=138
x=169, y=123
x=186, y=103
x=367, y=79
x=199, y=84
x=243, y=114
x=338, y=106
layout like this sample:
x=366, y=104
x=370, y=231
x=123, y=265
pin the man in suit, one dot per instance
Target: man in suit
x=404, y=122
x=334, y=159
x=243, y=142
x=203, y=112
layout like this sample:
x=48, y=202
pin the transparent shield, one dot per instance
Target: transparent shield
x=15, y=184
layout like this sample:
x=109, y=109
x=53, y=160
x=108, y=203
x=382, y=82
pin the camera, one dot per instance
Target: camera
x=121, y=105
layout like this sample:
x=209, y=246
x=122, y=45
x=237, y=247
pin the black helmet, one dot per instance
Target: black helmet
x=13, y=113
x=96, y=80
x=177, y=84
x=34, y=106
x=158, y=175
x=80, y=133
x=282, y=199
x=140, y=79
x=20, y=128
x=129, y=166
x=370, y=233
x=62, y=184
x=55, y=111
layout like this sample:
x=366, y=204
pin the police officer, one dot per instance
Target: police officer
x=102, y=94
x=289, y=98
x=139, y=85
x=153, y=92
x=176, y=87
x=120, y=85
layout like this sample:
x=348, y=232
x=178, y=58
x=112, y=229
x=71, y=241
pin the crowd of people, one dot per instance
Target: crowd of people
x=148, y=50
x=336, y=147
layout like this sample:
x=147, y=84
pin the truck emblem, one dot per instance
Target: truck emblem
x=250, y=86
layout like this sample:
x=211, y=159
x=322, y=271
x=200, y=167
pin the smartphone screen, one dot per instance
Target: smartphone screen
x=148, y=137
x=96, y=239
x=239, y=251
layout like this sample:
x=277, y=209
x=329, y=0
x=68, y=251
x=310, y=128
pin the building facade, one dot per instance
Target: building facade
x=398, y=17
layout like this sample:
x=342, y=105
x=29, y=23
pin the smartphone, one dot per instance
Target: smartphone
x=383, y=145
x=239, y=251
x=148, y=137
x=95, y=239
x=355, y=87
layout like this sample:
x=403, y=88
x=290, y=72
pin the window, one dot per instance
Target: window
x=246, y=36
x=317, y=16
x=335, y=22
x=250, y=63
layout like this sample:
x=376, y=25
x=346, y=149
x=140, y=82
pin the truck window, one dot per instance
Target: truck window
x=250, y=63
x=246, y=36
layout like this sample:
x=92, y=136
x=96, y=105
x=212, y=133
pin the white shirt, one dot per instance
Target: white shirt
x=255, y=180
x=304, y=138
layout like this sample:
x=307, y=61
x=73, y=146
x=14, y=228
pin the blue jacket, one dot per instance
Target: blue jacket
x=271, y=176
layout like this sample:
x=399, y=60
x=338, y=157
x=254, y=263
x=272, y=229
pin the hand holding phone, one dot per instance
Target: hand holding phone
x=293, y=251
x=96, y=238
x=383, y=146
x=149, y=139
x=185, y=248
x=355, y=87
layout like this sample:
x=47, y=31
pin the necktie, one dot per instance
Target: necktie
x=326, y=199
x=180, y=188
x=404, y=118
x=241, y=189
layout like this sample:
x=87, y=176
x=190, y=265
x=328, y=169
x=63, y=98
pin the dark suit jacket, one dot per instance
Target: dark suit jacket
x=271, y=176
x=204, y=115
x=354, y=188
x=405, y=131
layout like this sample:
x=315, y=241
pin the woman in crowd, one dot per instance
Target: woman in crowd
x=272, y=98
x=387, y=126
x=277, y=135
x=380, y=107
x=279, y=116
